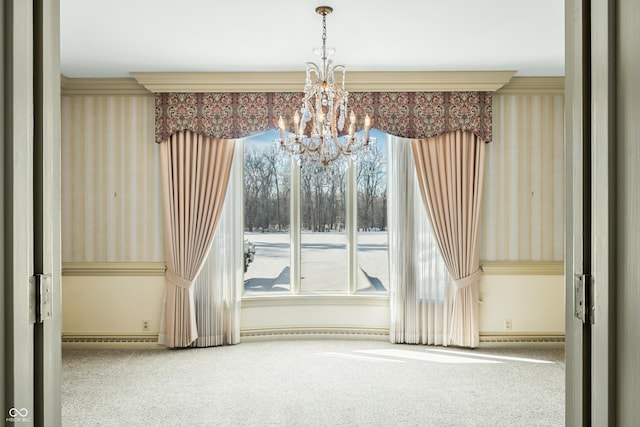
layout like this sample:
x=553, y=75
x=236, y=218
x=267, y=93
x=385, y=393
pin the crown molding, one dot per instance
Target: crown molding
x=383, y=81
x=533, y=86
x=101, y=86
x=143, y=83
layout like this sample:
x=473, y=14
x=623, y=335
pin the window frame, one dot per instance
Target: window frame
x=295, y=237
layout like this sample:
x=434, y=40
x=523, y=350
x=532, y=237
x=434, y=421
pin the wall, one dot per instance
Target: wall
x=112, y=223
x=111, y=197
x=523, y=202
x=112, y=303
x=522, y=230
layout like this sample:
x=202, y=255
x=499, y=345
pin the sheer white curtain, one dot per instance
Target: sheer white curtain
x=419, y=280
x=218, y=286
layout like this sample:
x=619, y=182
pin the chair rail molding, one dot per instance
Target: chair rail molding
x=522, y=268
x=108, y=269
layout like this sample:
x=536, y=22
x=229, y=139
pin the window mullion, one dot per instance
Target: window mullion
x=295, y=229
x=351, y=225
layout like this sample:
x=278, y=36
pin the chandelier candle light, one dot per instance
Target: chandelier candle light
x=323, y=114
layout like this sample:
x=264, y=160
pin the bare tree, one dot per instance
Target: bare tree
x=267, y=193
x=266, y=190
x=252, y=165
x=371, y=178
x=322, y=193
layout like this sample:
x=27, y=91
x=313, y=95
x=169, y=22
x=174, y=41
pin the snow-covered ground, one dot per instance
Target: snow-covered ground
x=323, y=262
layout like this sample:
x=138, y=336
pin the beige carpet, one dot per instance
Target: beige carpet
x=319, y=382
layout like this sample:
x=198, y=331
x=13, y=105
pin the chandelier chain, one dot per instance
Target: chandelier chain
x=324, y=35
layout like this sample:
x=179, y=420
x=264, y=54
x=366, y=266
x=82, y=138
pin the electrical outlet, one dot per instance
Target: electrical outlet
x=145, y=325
x=507, y=324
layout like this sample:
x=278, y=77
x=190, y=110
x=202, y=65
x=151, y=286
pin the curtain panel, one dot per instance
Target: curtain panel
x=405, y=114
x=195, y=172
x=450, y=171
x=218, y=288
x=418, y=277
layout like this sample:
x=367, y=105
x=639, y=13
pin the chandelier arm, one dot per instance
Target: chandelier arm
x=314, y=149
x=333, y=159
x=334, y=130
x=328, y=69
x=340, y=68
x=301, y=147
x=313, y=67
x=312, y=110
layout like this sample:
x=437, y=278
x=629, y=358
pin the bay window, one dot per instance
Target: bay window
x=314, y=233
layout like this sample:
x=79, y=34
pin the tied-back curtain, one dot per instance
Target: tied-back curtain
x=418, y=288
x=218, y=288
x=450, y=170
x=195, y=172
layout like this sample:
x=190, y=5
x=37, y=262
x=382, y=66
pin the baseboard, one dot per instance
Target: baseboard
x=367, y=333
x=109, y=339
x=311, y=333
x=518, y=340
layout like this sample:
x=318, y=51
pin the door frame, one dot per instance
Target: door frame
x=30, y=210
x=47, y=207
x=590, y=99
x=18, y=209
x=603, y=193
x=577, y=112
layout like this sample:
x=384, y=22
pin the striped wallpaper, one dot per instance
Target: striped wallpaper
x=523, y=201
x=111, y=194
x=112, y=201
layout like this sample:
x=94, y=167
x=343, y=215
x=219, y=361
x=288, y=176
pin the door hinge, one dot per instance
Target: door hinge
x=40, y=297
x=583, y=298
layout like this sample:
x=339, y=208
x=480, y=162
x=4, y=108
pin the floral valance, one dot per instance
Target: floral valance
x=404, y=114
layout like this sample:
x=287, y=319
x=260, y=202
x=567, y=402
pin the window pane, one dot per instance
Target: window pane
x=373, y=243
x=266, y=216
x=323, y=238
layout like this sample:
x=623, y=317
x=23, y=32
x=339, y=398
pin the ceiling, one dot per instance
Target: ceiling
x=110, y=38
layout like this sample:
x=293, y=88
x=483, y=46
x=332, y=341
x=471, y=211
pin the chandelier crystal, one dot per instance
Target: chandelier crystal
x=317, y=135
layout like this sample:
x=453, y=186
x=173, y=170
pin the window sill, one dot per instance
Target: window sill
x=268, y=300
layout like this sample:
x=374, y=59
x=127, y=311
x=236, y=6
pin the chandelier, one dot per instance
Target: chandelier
x=317, y=135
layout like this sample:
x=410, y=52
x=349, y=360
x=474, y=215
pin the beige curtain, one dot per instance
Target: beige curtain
x=195, y=171
x=450, y=169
